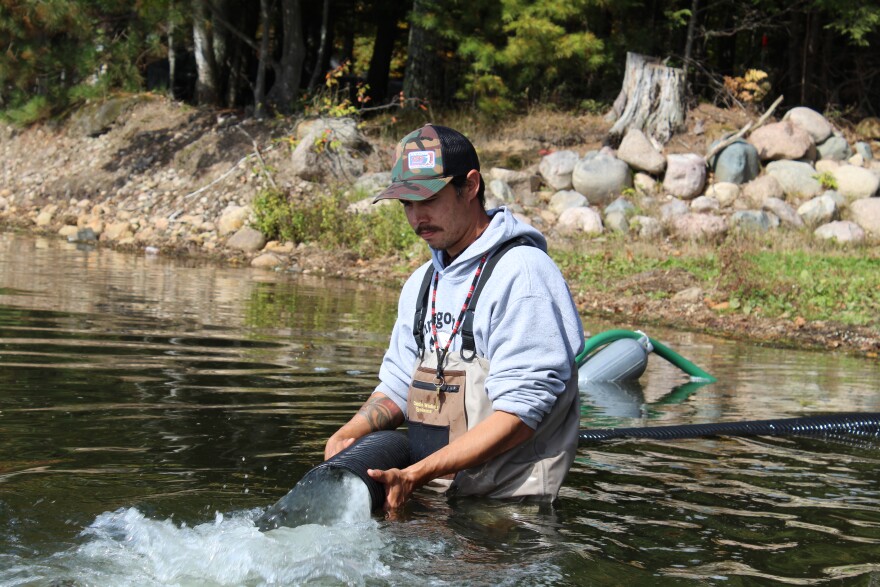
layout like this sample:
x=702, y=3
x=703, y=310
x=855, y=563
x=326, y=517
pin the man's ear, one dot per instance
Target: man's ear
x=472, y=185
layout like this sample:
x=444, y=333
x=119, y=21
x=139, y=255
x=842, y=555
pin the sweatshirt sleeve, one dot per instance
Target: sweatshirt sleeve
x=399, y=361
x=532, y=333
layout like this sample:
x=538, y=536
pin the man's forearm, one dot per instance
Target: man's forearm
x=379, y=412
x=497, y=434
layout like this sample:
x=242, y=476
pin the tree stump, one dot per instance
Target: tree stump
x=651, y=100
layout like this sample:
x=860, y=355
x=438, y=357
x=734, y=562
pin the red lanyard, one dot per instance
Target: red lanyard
x=441, y=354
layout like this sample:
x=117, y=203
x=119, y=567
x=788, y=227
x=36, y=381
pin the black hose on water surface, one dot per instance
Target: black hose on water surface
x=858, y=424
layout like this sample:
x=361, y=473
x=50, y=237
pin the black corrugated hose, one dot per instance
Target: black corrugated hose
x=856, y=424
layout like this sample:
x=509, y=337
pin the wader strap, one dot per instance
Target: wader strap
x=422, y=310
x=468, y=344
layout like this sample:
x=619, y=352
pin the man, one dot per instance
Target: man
x=489, y=393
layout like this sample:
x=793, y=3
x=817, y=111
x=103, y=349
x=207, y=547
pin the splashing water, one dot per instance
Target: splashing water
x=126, y=548
x=325, y=495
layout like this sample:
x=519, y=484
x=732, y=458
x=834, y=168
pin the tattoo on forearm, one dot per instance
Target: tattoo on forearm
x=381, y=413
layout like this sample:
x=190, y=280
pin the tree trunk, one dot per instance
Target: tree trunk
x=263, y=61
x=652, y=100
x=172, y=55
x=206, y=68
x=691, y=32
x=383, y=49
x=322, y=46
x=423, y=66
x=288, y=72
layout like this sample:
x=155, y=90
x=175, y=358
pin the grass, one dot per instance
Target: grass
x=780, y=278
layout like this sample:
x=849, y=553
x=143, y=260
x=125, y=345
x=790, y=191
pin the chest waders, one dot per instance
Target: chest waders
x=447, y=397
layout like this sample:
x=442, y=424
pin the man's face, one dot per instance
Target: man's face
x=442, y=220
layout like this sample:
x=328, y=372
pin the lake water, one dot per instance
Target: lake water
x=150, y=409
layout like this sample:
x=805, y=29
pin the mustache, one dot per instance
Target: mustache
x=427, y=228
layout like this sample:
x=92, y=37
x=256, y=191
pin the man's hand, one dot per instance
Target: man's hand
x=398, y=486
x=336, y=445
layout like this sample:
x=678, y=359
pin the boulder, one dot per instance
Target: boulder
x=798, y=179
x=818, y=210
x=737, y=163
x=556, y=169
x=781, y=140
x=869, y=128
x=835, y=148
x=685, y=175
x=620, y=205
x=231, y=219
x=760, y=189
x=784, y=212
x=247, y=239
x=601, y=177
x=725, y=193
x=637, y=151
x=330, y=150
x=565, y=199
x=856, y=182
x=267, y=261
x=753, y=220
x=866, y=213
x=816, y=125
x=646, y=227
x=616, y=222
x=698, y=226
x=705, y=205
x=841, y=231
x=864, y=149
x=645, y=184
x=580, y=220
x=672, y=209
x=500, y=190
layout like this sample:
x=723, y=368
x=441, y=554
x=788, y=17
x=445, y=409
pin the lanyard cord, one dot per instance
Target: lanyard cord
x=441, y=354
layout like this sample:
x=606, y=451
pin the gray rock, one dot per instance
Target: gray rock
x=816, y=125
x=83, y=235
x=798, y=179
x=371, y=184
x=620, y=205
x=784, y=212
x=645, y=184
x=760, y=189
x=753, y=220
x=247, y=239
x=864, y=149
x=866, y=213
x=232, y=218
x=556, y=169
x=646, y=227
x=565, y=199
x=737, y=163
x=580, y=220
x=673, y=208
x=500, y=190
x=698, y=226
x=267, y=261
x=834, y=148
x=685, y=175
x=818, y=210
x=705, y=205
x=726, y=193
x=781, y=140
x=689, y=295
x=616, y=222
x=331, y=151
x=841, y=231
x=637, y=151
x=856, y=182
x=601, y=177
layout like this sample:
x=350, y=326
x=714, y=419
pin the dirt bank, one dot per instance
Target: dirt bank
x=153, y=173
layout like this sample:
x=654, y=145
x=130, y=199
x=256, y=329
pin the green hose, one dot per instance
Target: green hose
x=610, y=336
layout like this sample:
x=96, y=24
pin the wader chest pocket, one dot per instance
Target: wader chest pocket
x=435, y=410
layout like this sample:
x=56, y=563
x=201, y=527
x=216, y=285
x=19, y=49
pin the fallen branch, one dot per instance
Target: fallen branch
x=263, y=165
x=749, y=127
x=219, y=179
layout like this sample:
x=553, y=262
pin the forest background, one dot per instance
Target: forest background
x=495, y=56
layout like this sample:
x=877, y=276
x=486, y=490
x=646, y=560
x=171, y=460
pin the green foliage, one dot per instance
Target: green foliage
x=827, y=180
x=325, y=220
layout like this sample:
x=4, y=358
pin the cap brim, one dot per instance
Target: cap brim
x=413, y=190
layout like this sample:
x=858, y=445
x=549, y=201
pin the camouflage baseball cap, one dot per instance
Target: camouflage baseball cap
x=426, y=161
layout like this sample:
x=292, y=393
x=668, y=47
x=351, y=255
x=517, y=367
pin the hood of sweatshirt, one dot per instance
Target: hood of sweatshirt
x=503, y=226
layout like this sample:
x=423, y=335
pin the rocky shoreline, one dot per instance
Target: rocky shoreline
x=145, y=174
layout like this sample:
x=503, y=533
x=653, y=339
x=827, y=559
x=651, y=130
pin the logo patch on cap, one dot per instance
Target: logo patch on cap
x=420, y=159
